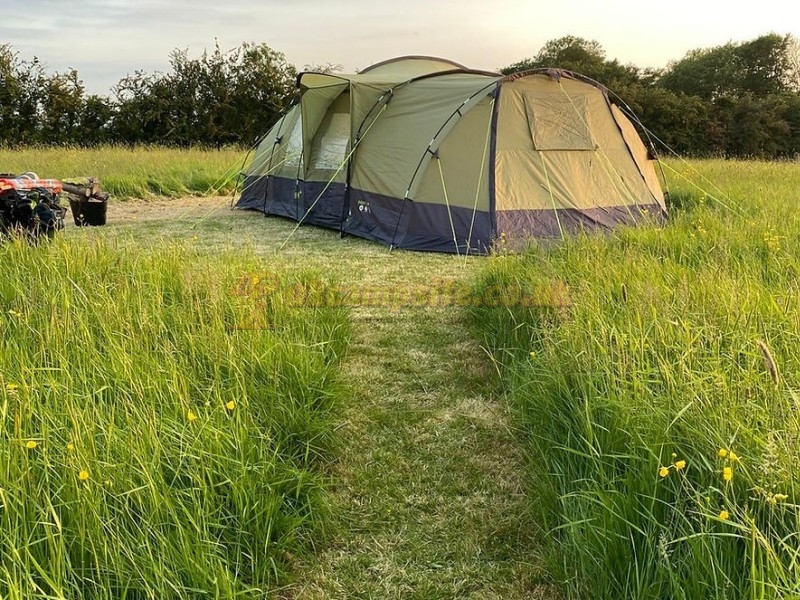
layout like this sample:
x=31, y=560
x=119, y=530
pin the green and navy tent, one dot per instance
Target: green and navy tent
x=426, y=154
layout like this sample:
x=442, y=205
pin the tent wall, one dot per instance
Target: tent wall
x=456, y=179
x=271, y=185
x=639, y=152
x=391, y=199
x=561, y=164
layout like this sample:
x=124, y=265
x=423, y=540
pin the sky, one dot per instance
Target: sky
x=108, y=39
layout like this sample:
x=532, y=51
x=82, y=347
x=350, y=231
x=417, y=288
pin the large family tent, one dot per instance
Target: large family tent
x=426, y=154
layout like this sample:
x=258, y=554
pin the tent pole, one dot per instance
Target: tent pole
x=330, y=181
x=278, y=139
x=480, y=176
x=456, y=113
x=356, y=140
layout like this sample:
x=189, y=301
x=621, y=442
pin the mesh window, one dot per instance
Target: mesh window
x=558, y=122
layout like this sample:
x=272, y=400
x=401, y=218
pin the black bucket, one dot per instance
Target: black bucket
x=88, y=212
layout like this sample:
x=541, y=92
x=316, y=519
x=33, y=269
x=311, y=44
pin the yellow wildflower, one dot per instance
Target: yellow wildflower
x=724, y=515
x=83, y=475
x=190, y=416
x=732, y=455
x=533, y=354
x=230, y=405
x=727, y=473
x=31, y=445
x=681, y=464
x=70, y=446
x=663, y=472
x=722, y=453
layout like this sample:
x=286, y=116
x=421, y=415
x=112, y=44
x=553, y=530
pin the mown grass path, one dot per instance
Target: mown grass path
x=429, y=480
x=427, y=489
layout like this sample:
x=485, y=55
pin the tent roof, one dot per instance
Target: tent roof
x=413, y=66
x=390, y=72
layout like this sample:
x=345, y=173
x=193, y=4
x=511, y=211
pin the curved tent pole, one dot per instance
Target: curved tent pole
x=486, y=145
x=390, y=91
x=456, y=113
x=411, y=57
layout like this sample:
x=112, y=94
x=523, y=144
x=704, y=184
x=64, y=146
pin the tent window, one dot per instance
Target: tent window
x=294, y=147
x=333, y=138
x=558, y=122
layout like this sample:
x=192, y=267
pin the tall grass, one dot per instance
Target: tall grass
x=661, y=408
x=137, y=172
x=161, y=434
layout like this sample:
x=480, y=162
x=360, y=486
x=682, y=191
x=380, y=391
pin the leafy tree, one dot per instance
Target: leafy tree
x=22, y=84
x=142, y=105
x=679, y=121
x=325, y=69
x=96, y=121
x=580, y=55
x=218, y=98
x=760, y=67
x=61, y=108
x=264, y=87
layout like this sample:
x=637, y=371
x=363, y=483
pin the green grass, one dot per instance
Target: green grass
x=138, y=172
x=678, y=342
x=439, y=489
x=161, y=435
x=425, y=494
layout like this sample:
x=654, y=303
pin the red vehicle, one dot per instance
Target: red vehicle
x=30, y=205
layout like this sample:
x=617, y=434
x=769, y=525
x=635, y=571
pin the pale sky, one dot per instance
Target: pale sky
x=107, y=39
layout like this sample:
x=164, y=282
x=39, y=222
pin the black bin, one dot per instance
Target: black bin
x=88, y=212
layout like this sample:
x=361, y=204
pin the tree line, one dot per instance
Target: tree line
x=217, y=99
x=737, y=99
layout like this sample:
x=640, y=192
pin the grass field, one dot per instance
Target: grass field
x=530, y=467
x=138, y=172
x=660, y=407
x=161, y=436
